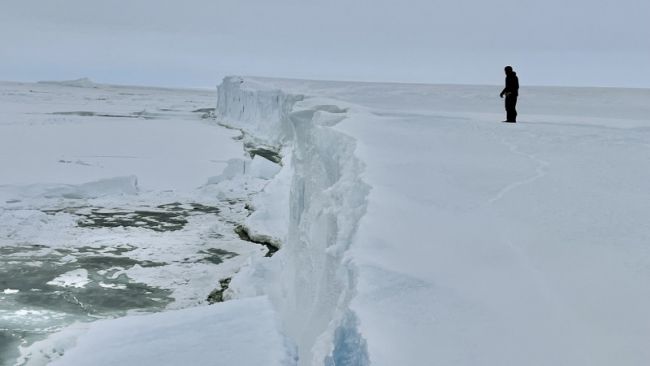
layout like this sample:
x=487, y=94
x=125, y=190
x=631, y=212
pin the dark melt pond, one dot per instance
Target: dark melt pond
x=167, y=217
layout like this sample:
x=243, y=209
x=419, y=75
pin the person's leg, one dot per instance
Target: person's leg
x=511, y=112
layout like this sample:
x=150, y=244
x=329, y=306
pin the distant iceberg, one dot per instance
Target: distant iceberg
x=78, y=83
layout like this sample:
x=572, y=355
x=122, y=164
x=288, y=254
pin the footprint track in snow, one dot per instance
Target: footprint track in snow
x=541, y=169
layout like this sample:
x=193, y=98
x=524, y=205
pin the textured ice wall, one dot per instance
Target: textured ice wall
x=320, y=197
x=256, y=109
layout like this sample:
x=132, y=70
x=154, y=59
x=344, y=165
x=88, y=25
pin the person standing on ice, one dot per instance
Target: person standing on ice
x=511, y=91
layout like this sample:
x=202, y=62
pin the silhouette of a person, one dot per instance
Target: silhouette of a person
x=511, y=91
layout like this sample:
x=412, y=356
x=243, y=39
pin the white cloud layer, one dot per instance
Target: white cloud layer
x=196, y=42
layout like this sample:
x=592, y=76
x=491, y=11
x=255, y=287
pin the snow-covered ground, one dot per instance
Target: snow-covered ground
x=416, y=229
x=239, y=332
x=422, y=231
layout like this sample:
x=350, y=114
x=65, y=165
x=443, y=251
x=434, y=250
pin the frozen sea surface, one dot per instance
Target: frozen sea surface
x=105, y=206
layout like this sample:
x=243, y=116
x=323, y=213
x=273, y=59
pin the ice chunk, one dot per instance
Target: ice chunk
x=263, y=168
x=77, y=278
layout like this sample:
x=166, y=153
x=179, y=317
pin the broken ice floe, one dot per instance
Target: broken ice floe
x=77, y=278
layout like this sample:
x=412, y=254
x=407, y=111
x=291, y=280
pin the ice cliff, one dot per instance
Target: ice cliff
x=311, y=209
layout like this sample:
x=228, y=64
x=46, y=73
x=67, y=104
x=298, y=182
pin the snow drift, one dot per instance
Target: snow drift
x=245, y=336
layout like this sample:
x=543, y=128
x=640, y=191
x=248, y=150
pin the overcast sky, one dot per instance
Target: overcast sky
x=197, y=42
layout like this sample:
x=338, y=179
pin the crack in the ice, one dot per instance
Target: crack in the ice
x=244, y=234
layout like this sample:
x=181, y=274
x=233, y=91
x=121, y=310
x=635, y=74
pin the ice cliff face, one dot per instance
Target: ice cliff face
x=312, y=209
x=261, y=112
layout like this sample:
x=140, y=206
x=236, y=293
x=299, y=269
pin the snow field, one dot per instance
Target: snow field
x=422, y=231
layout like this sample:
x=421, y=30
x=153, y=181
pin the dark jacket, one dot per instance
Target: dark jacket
x=512, y=84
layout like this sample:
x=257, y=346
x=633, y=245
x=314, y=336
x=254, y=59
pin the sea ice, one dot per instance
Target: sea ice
x=77, y=278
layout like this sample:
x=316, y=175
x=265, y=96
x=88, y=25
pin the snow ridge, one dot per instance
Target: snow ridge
x=310, y=282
